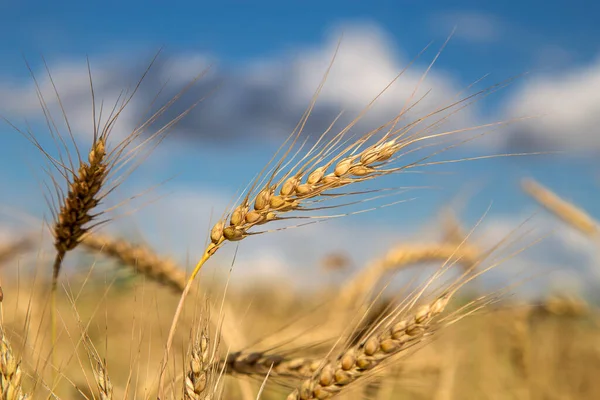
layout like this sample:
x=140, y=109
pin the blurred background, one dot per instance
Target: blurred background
x=260, y=64
x=265, y=62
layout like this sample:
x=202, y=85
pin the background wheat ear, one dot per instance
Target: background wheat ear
x=564, y=210
x=10, y=371
x=140, y=258
x=16, y=248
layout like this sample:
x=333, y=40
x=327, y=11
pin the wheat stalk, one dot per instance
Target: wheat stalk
x=566, y=211
x=141, y=258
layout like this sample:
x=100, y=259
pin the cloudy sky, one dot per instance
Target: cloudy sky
x=261, y=64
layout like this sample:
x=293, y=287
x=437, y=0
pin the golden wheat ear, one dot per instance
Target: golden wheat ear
x=76, y=210
x=142, y=259
x=295, y=186
x=10, y=371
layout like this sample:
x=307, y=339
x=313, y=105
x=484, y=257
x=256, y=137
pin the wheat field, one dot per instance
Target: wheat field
x=125, y=321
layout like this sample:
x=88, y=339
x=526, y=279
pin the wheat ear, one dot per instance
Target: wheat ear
x=274, y=365
x=198, y=376
x=356, y=362
x=105, y=169
x=354, y=292
x=19, y=246
x=288, y=187
x=10, y=372
x=141, y=258
x=566, y=211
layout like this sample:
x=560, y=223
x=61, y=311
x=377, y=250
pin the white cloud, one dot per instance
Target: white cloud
x=564, y=260
x=262, y=99
x=567, y=104
x=471, y=26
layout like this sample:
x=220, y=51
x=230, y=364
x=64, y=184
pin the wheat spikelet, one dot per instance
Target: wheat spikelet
x=141, y=258
x=568, y=212
x=10, y=372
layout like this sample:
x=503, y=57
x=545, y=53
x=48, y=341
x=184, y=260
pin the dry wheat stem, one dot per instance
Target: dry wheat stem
x=141, y=258
x=10, y=372
x=568, y=212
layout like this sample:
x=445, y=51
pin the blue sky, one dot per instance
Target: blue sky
x=266, y=59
